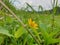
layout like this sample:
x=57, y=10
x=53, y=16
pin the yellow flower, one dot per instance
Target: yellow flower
x=32, y=23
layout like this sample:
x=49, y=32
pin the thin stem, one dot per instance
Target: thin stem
x=53, y=15
x=52, y=22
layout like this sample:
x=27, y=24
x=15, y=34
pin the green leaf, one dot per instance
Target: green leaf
x=52, y=41
x=1, y=39
x=52, y=34
x=19, y=32
x=28, y=38
x=43, y=30
x=36, y=33
x=5, y=32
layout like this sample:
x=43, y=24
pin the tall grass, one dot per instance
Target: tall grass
x=13, y=33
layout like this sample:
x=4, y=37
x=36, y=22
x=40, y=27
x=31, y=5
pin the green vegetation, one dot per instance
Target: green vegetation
x=12, y=32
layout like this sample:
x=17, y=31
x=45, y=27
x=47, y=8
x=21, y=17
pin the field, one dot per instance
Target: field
x=20, y=27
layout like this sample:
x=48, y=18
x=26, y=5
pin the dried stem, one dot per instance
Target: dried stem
x=1, y=7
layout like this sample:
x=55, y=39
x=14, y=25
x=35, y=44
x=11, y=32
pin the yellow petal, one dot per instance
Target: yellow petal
x=32, y=23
